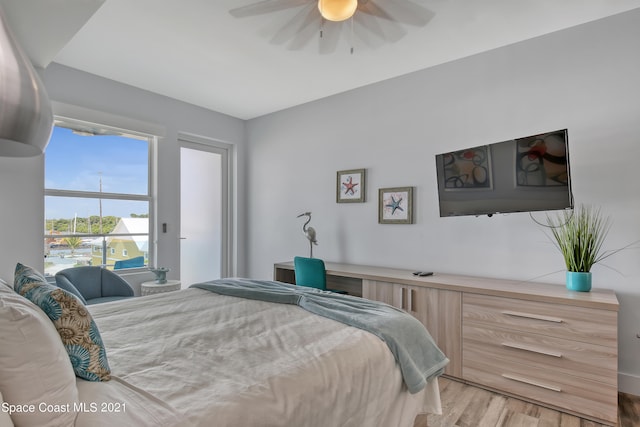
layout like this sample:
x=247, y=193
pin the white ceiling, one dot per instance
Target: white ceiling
x=195, y=51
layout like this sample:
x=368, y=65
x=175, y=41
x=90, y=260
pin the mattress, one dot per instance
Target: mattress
x=193, y=357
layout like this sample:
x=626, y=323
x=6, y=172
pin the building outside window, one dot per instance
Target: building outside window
x=97, y=197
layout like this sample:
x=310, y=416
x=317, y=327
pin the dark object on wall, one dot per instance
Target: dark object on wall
x=521, y=175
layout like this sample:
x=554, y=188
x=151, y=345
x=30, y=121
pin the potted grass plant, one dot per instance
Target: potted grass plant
x=579, y=235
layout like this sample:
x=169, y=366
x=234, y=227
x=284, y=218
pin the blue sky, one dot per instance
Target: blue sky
x=75, y=162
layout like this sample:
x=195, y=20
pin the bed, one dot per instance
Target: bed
x=196, y=357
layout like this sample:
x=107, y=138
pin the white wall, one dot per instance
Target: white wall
x=22, y=180
x=21, y=209
x=585, y=79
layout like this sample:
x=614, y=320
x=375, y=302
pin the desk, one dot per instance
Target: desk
x=505, y=335
x=340, y=277
x=352, y=277
x=151, y=287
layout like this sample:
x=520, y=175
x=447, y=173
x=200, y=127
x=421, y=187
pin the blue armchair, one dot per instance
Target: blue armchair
x=93, y=285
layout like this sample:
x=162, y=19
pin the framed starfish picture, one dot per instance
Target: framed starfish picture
x=350, y=186
x=395, y=205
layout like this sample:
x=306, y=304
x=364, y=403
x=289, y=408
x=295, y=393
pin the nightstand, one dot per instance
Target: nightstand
x=152, y=288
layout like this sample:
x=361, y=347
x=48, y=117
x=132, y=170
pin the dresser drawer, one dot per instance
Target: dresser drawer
x=589, y=399
x=539, y=352
x=574, y=323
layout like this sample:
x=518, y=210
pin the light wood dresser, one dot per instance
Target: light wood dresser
x=539, y=342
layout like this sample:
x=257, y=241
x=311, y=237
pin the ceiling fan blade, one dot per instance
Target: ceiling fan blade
x=309, y=29
x=299, y=28
x=408, y=12
x=365, y=35
x=387, y=30
x=291, y=28
x=368, y=25
x=329, y=36
x=265, y=6
x=372, y=9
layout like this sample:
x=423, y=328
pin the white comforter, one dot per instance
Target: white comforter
x=225, y=361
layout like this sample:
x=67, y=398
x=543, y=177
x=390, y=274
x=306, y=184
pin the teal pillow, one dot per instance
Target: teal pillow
x=77, y=329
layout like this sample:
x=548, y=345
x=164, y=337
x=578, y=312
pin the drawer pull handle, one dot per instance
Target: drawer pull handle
x=533, y=316
x=531, y=382
x=532, y=349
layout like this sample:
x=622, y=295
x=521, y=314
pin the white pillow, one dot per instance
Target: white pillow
x=34, y=366
x=5, y=419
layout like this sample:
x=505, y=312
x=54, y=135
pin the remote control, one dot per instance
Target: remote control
x=425, y=273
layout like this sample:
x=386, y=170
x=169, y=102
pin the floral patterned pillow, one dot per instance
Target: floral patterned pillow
x=78, y=331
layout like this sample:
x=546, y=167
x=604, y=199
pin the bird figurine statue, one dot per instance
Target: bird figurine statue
x=309, y=232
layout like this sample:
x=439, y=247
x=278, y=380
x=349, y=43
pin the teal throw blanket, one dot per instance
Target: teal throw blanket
x=412, y=346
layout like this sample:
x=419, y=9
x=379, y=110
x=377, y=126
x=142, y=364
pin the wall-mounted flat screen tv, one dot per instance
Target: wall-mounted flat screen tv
x=520, y=175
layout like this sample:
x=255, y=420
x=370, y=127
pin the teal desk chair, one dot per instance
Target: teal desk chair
x=311, y=272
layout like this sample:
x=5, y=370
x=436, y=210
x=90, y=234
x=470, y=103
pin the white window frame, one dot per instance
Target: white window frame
x=148, y=131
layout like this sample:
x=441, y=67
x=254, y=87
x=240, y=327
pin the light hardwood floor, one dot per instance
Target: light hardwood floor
x=467, y=406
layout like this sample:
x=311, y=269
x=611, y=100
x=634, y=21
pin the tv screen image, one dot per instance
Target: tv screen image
x=520, y=175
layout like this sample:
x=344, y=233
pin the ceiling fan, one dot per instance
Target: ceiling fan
x=373, y=21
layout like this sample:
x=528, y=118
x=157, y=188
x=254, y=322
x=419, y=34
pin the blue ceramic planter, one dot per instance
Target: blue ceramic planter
x=579, y=281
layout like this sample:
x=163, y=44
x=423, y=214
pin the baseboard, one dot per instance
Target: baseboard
x=628, y=383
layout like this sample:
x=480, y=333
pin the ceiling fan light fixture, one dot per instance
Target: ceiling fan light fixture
x=337, y=10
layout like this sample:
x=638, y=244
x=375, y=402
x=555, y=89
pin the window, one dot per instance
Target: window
x=97, y=197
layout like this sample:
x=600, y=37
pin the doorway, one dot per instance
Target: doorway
x=204, y=211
